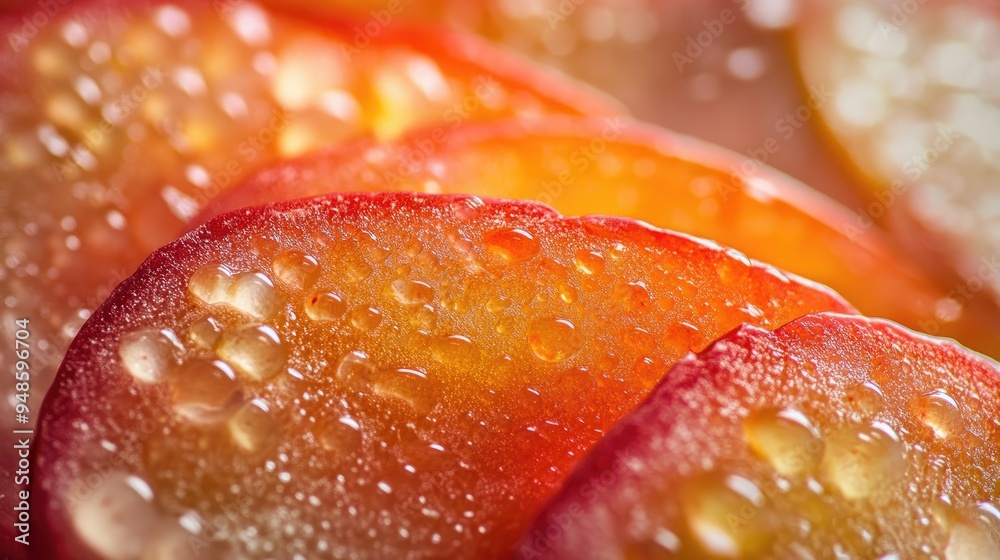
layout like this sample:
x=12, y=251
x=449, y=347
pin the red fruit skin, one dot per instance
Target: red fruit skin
x=578, y=520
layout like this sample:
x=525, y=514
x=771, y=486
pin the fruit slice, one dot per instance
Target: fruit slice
x=916, y=108
x=833, y=434
x=388, y=375
x=617, y=167
x=121, y=119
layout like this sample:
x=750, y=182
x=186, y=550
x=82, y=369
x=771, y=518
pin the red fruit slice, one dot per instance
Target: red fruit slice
x=121, y=119
x=830, y=435
x=387, y=375
x=617, y=167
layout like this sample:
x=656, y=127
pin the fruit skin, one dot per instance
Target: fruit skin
x=80, y=391
x=696, y=188
x=682, y=430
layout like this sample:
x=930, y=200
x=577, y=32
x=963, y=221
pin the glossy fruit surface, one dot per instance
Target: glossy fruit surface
x=394, y=374
x=833, y=433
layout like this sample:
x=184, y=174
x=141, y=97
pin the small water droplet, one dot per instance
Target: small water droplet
x=939, y=412
x=149, y=354
x=356, y=370
x=407, y=385
x=254, y=351
x=862, y=461
x=634, y=296
x=342, y=435
x=512, y=244
x=296, y=269
x=785, y=438
x=203, y=391
x=553, y=339
x=455, y=350
x=589, y=262
x=866, y=398
x=365, y=319
x=254, y=429
x=325, y=307
x=467, y=207
x=204, y=333
x=411, y=292
x=725, y=513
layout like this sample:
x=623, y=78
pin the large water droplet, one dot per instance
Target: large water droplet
x=785, y=438
x=588, y=262
x=342, y=435
x=406, y=385
x=254, y=429
x=939, y=412
x=411, y=292
x=512, y=244
x=634, y=296
x=974, y=534
x=204, y=333
x=149, y=354
x=254, y=351
x=254, y=294
x=553, y=339
x=866, y=398
x=725, y=513
x=204, y=391
x=295, y=269
x=365, y=319
x=862, y=461
x=456, y=350
x=210, y=283
x=325, y=307
x=116, y=516
x=356, y=370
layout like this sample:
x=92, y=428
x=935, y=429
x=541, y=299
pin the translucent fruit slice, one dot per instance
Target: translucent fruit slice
x=617, y=167
x=832, y=436
x=916, y=108
x=383, y=375
x=121, y=120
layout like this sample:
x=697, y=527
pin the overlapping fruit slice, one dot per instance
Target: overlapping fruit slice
x=121, y=119
x=390, y=375
x=917, y=107
x=833, y=436
x=616, y=167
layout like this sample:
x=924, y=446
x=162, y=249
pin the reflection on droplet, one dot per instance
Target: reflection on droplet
x=203, y=391
x=253, y=428
x=784, y=437
x=325, y=307
x=411, y=292
x=149, y=354
x=356, y=370
x=406, y=385
x=342, y=435
x=295, y=269
x=939, y=412
x=512, y=244
x=553, y=339
x=866, y=398
x=255, y=351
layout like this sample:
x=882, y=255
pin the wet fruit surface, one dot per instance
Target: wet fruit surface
x=916, y=108
x=397, y=374
x=833, y=435
x=620, y=168
x=121, y=120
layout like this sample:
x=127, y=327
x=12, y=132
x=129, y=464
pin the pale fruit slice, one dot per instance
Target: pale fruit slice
x=389, y=375
x=833, y=436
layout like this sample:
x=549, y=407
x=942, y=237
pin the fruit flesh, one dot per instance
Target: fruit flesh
x=616, y=167
x=916, y=112
x=832, y=434
x=122, y=119
x=393, y=375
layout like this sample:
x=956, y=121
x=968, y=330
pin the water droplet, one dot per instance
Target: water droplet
x=589, y=262
x=204, y=333
x=407, y=385
x=254, y=429
x=785, y=438
x=356, y=370
x=295, y=269
x=411, y=292
x=725, y=514
x=173, y=540
x=974, y=534
x=115, y=518
x=865, y=397
x=862, y=461
x=253, y=293
x=149, y=354
x=634, y=296
x=553, y=339
x=325, y=307
x=365, y=319
x=342, y=435
x=423, y=317
x=254, y=351
x=456, y=350
x=210, y=283
x=512, y=244
x=939, y=411
x=204, y=391
x=467, y=208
